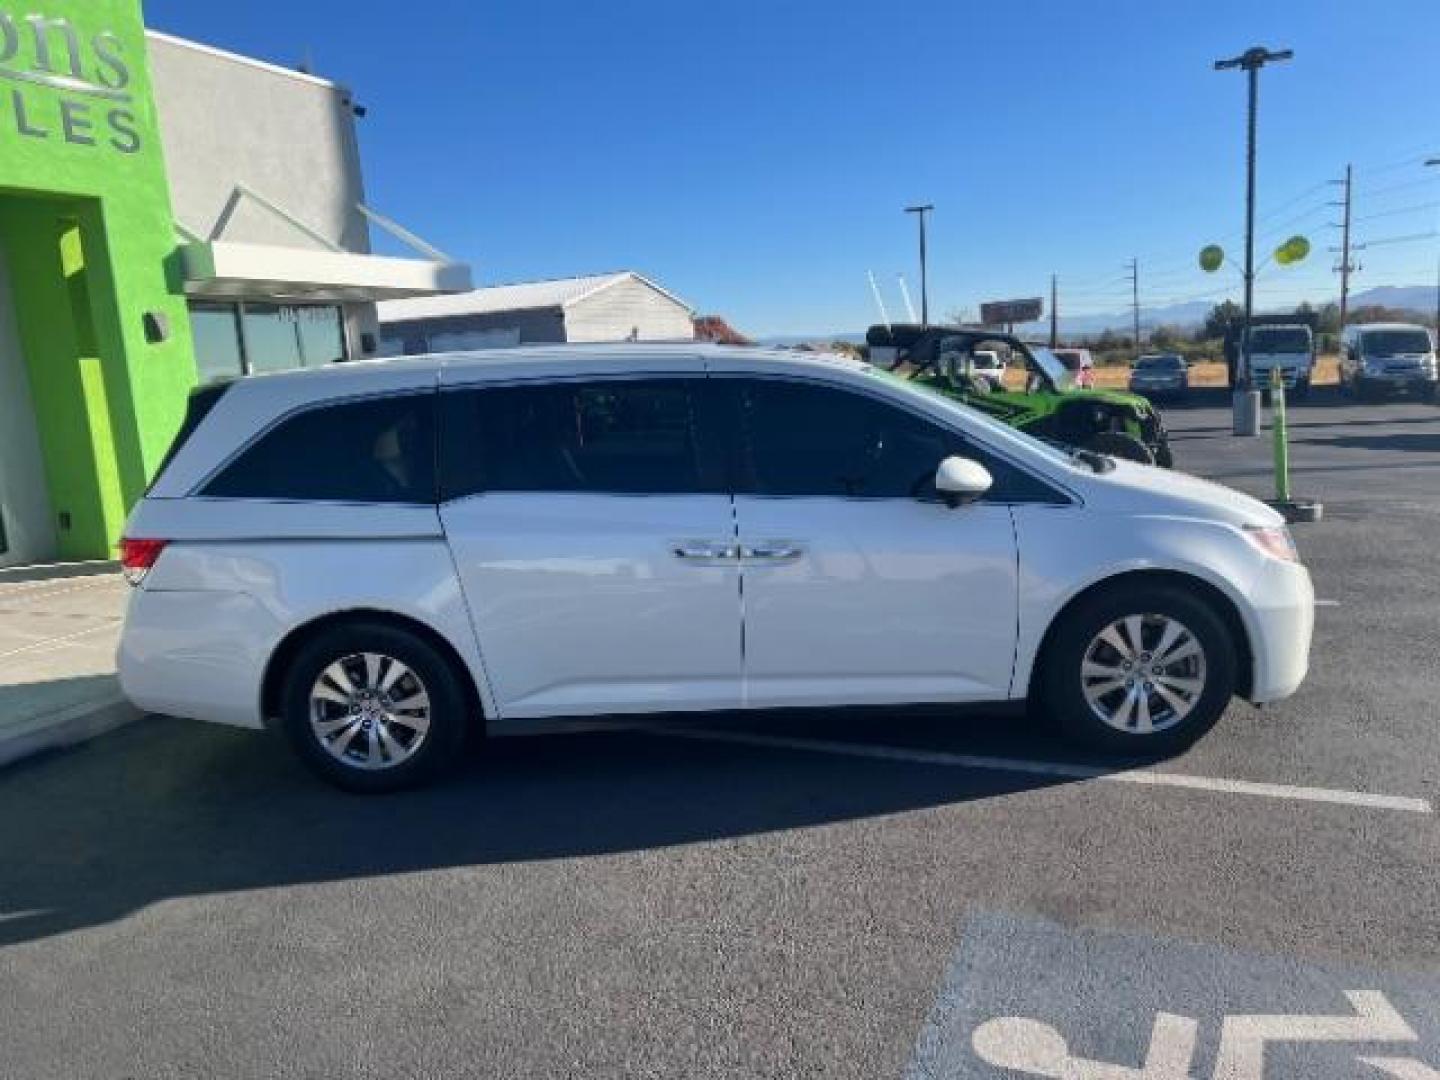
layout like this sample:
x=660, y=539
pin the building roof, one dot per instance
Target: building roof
x=522, y=296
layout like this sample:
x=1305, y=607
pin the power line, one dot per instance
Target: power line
x=1416, y=208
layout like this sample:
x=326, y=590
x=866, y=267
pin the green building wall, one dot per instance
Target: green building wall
x=86, y=222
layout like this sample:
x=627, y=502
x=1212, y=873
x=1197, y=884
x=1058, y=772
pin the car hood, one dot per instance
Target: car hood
x=1141, y=405
x=1131, y=488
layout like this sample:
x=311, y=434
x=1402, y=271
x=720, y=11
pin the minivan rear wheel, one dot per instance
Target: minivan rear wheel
x=372, y=707
x=1138, y=670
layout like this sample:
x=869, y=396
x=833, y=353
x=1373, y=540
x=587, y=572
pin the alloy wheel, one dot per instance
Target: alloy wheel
x=1143, y=674
x=369, y=711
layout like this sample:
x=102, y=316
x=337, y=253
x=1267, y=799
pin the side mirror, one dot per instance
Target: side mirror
x=960, y=480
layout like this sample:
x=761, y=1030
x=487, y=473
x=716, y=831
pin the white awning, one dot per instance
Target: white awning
x=215, y=268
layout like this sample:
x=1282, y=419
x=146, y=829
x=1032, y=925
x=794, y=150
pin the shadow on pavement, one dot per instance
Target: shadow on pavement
x=1405, y=441
x=170, y=808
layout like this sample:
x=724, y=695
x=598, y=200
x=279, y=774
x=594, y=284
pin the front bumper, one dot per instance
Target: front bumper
x=1281, y=622
x=1261, y=378
x=1405, y=378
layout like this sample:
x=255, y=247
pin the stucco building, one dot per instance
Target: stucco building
x=169, y=213
x=622, y=306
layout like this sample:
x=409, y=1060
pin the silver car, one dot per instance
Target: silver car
x=1160, y=375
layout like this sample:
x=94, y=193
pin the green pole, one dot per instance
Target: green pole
x=1282, y=443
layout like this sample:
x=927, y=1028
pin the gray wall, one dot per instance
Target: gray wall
x=24, y=502
x=289, y=137
x=614, y=312
x=539, y=325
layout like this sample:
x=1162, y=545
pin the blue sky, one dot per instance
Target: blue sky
x=755, y=156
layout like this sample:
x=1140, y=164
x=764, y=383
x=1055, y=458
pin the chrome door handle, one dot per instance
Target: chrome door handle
x=704, y=551
x=773, y=552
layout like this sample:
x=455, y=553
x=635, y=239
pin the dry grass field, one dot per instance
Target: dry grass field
x=1201, y=375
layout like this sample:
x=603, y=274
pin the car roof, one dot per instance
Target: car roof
x=553, y=359
x=1387, y=326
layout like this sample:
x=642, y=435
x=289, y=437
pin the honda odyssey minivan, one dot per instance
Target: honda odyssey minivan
x=382, y=558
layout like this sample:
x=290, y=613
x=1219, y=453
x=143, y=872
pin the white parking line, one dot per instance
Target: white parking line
x=1150, y=777
x=1327, y=603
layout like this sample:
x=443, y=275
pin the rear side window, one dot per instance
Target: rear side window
x=638, y=437
x=198, y=407
x=378, y=450
x=809, y=440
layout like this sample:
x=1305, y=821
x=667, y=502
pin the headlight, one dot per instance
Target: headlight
x=1273, y=540
x=1374, y=367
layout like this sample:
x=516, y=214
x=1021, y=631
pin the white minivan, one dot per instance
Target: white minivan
x=384, y=557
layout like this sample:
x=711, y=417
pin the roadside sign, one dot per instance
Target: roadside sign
x=1007, y=312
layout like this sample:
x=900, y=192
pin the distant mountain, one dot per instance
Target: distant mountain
x=1410, y=297
x=1417, y=298
x=855, y=337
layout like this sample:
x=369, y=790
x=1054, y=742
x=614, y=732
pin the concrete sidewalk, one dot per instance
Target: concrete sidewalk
x=58, y=629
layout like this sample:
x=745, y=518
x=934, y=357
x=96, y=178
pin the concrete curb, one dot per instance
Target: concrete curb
x=57, y=571
x=65, y=727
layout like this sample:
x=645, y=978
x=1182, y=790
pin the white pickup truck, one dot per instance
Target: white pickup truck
x=1291, y=348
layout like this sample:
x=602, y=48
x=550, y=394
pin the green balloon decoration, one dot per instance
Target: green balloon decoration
x=1292, y=251
x=1211, y=258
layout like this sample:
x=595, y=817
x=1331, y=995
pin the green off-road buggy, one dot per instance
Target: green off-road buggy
x=1051, y=407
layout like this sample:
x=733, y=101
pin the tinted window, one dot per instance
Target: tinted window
x=814, y=440
x=377, y=450
x=1287, y=339
x=1392, y=342
x=620, y=437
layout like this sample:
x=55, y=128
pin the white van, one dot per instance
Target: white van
x=1376, y=357
x=1290, y=349
x=381, y=558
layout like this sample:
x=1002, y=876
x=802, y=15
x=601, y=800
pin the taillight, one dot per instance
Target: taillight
x=138, y=556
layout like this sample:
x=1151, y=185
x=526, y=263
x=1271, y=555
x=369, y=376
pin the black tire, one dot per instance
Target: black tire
x=1060, y=689
x=435, y=674
x=1121, y=445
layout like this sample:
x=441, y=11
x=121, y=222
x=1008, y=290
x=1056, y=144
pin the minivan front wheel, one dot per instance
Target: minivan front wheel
x=372, y=707
x=1144, y=669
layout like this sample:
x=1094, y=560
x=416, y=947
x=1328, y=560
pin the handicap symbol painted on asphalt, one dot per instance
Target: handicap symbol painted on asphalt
x=1025, y=997
x=1037, y=1049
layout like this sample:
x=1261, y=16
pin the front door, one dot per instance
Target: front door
x=860, y=586
x=593, y=534
x=26, y=533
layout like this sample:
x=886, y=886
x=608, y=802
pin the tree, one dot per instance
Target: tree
x=1166, y=337
x=1221, y=316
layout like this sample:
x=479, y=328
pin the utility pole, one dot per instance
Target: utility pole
x=1250, y=62
x=1135, y=301
x=920, y=212
x=1054, y=310
x=1436, y=161
x=1346, y=267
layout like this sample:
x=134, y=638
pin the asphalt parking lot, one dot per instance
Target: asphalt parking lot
x=870, y=894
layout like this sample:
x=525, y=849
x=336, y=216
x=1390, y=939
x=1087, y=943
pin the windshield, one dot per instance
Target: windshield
x=1281, y=339
x=1051, y=365
x=1003, y=433
x=1394, y=342
x=1159, y=363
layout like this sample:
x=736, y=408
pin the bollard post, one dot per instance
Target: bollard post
x=1281, y=436
x=1295, y=510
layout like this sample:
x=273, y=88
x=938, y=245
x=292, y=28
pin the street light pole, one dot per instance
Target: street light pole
x=920, y=212
x=1250, y=61
x=1436, y=161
